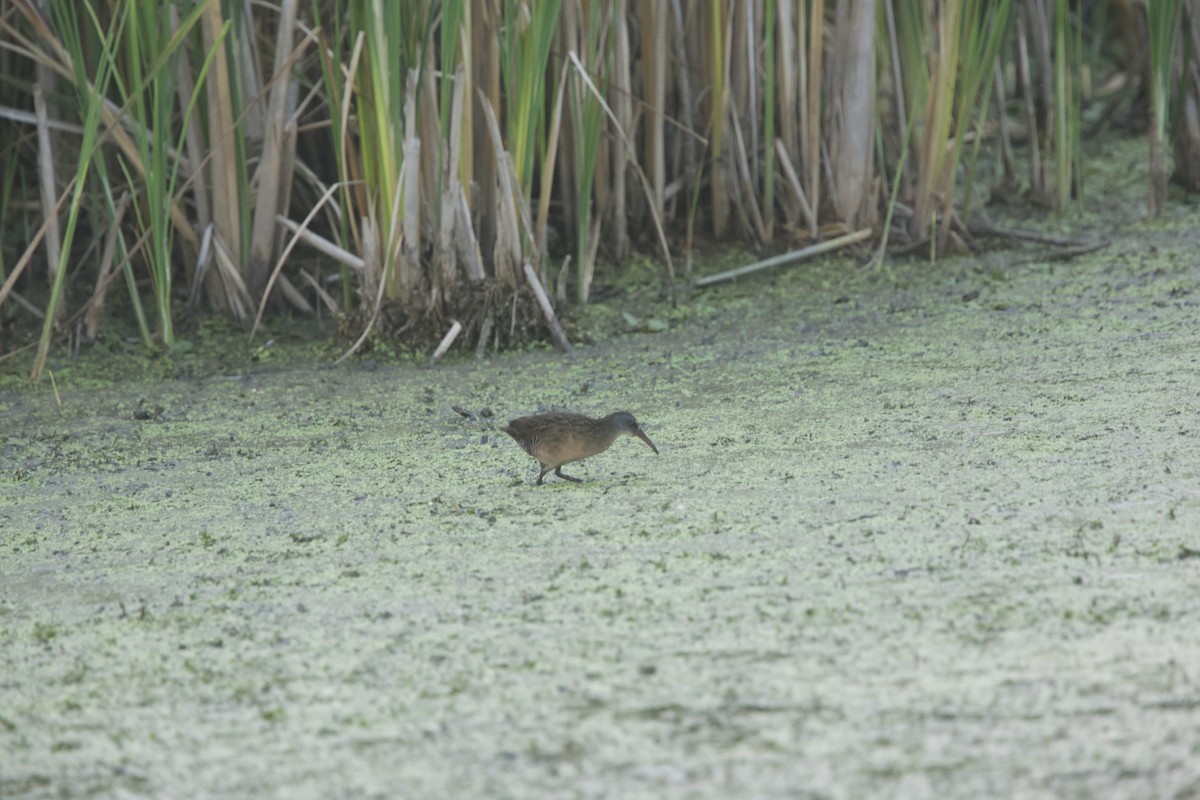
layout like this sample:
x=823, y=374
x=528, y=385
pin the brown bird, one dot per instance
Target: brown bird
x=559, y=438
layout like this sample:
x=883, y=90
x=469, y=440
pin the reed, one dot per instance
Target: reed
x=1163, y=25
x=428, y=158
x=1068, y=46
x=770, y=100
x=943, y=92
x=587, y=116
x=525, y=39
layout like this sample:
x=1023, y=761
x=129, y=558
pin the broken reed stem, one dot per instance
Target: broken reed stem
x=447, y=340
x=556, y=330
x=787, y=258
x=321, y=244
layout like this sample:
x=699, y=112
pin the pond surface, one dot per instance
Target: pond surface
x=931, y=532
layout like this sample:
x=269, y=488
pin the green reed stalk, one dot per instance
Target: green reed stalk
x=1162, y=20
x=141, y=42
x=524, y=52
x=588, y=117
x=395, y=35
x=984, y=29
x=450, y=30
x=911, y=35
x=136, y=54
x=91, y=101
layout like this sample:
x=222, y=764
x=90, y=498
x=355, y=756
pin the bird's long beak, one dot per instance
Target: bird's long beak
x=642, y=435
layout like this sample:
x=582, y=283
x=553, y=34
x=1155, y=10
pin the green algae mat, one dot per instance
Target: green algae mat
x=927, y=532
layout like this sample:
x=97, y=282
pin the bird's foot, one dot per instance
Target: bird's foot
x=560, y=474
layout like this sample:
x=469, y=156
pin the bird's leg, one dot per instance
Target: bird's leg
x=558, y=471
x=542, y=474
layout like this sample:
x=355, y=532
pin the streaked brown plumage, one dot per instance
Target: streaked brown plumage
x=558, y=438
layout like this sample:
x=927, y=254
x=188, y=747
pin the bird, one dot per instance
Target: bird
x=559, y=437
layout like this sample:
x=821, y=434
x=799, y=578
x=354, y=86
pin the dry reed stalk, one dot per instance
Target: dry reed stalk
x=197, y=180
x=371, y=281
x=787, y=60
x=853, y=133
x=252, y=117
x=748, y=207
x=407, y=208
x=688, y=163
x=787, y=258
x=605, y=148
x=557, y=334
x=434, y=147
x=1039, y=29
x=369, y=255
x=465, y=240
x=571, y=133
x=330, y=304
x=622, y=101
x=46, y=181
x=593, y=246
x=203, y=259
x=446, y=342
x=235, y=294
x=412, y=285
x=269, y=198
x=792, y=181
x=715, y=58
x=560, y=286
x=1006, y=150
x=485, y=46
x=900, y=102
x=485, y=331
x=812, y=122
x=770, y=173
x=654, y=49
x=299, y=233
x=466, y=67
x=507, y=252
x=447, y=261
x=320, y=243
x=741, y=75
x=354, y=189
x=223, y=156
x=1037, y=182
